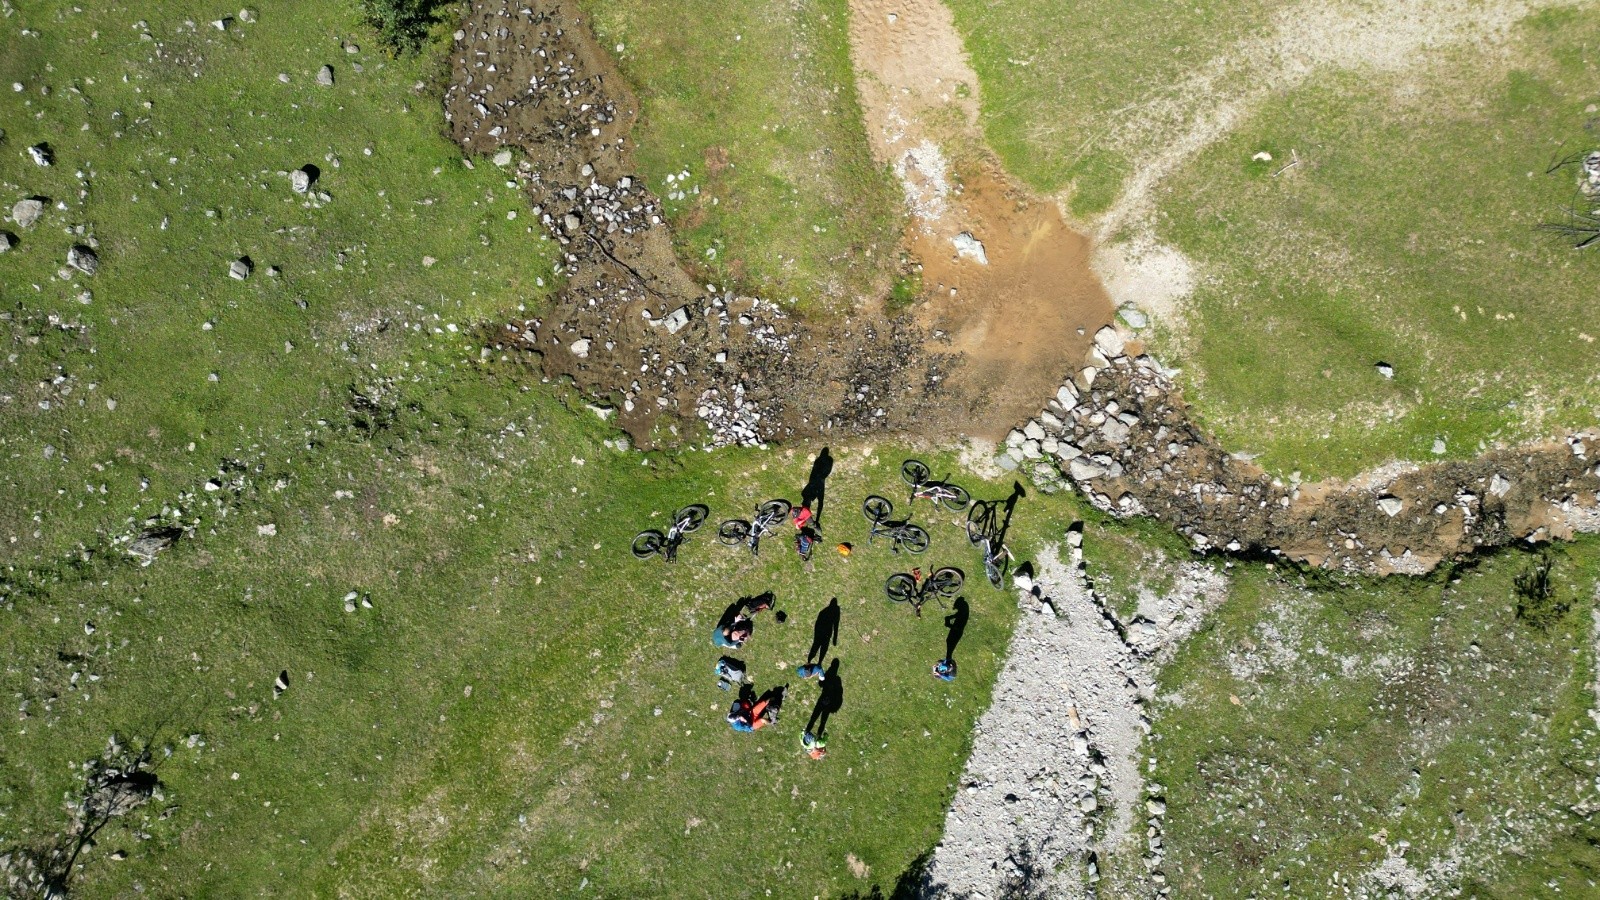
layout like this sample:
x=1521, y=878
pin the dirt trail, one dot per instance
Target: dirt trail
x=1220, y=94
x=1007, y=283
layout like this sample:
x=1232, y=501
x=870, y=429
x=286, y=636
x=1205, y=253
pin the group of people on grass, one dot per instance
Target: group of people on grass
x=736, y=626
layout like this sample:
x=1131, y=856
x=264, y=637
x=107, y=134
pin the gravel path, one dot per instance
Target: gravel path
x=1053, y=778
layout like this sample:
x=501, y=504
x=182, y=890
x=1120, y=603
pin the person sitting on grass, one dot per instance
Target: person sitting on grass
x=748, y=715
x=735, y=626
x=945, y=669
x=813, y=746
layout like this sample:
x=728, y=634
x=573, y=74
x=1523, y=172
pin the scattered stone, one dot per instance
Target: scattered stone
x=301, y=179
x=1134, y=316
x=26, y=212
x=247, y=15
x=1385, y=370
x=675, y=320
x=1033, y=431
x=7, y=241
x=268, y=530
x=350, y=601
x=42, y=155
x=1438, y=447
x=970, y=247
x=222, y=23
x=1081, y=469
x=1499, y=485
x=1110, y=342
x=503, y=158
x=325, y=76
x=83, y=259
x=1391, y=505
x=580, y=348
x=280, y=684
x=428, y=262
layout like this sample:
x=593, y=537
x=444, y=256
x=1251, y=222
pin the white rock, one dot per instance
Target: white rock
x=1082, y=469
x=1499, y=485
x=26, y=212
x=1110, y=342
x=1391, y=505
x=300, y=181
x=1438, y=447
x=1033, y=431
x=240, y=269
x=970, y=247
x=325, y=76
x=580, y=348
x=503, y=158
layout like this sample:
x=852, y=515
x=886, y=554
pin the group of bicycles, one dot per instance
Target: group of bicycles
x=985, y=529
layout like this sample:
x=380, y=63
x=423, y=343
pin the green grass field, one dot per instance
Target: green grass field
x=756, y=102
x=1061, y=80
x=1311, y=731
x=524, y=707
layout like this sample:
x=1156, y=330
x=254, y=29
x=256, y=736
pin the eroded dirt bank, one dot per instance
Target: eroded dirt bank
x=631, y=327
x=1008, y=321
x=1121, y=433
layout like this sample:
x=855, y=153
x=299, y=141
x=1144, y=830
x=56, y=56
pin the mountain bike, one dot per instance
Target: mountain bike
x=903, y=587
x=916, y=472
x=685, y=521
x=768, y=517
x=982, y=531
x=905, y=535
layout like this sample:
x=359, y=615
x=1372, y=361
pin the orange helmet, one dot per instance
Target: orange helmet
x=844, y=549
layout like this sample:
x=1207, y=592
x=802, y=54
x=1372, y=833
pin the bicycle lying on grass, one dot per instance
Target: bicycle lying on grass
x=769, y=516
x=912, y=588
x=904, y=534
x=983, y=531
x=916, y=472
x=685, y=521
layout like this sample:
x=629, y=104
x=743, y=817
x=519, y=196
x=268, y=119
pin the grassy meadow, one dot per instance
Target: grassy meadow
x=756, y=104
x=1314, y=730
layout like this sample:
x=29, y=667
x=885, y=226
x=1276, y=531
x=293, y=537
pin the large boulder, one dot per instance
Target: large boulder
x=26, y=212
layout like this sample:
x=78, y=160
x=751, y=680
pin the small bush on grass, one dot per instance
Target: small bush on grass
x=402, y=25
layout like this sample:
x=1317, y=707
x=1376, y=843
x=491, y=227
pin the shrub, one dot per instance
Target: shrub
x=402, y=25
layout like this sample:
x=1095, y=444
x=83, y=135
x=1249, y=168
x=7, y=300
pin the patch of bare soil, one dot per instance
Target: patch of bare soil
x=1007, y=283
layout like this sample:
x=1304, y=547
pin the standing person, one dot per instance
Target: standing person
x=815, y=491
x=955, y=625
x=830, y=701
x=824, y=635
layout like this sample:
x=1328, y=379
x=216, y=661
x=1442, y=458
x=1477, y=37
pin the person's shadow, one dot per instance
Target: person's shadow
x=817, y=485
x=825, y=633
x=1017, y=493
x=830, y=701
x=956, y=623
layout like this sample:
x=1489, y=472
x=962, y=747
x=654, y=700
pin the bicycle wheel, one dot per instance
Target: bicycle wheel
x=956, y=498
x=648, y=544
x=733, y=532
x=980, y=516
x=692, y=517
x=900, y=587
x=994, y=567
x=946, y=582
x=913, y=538
x=914, y=471
x=876, y=508
x=774, y=509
